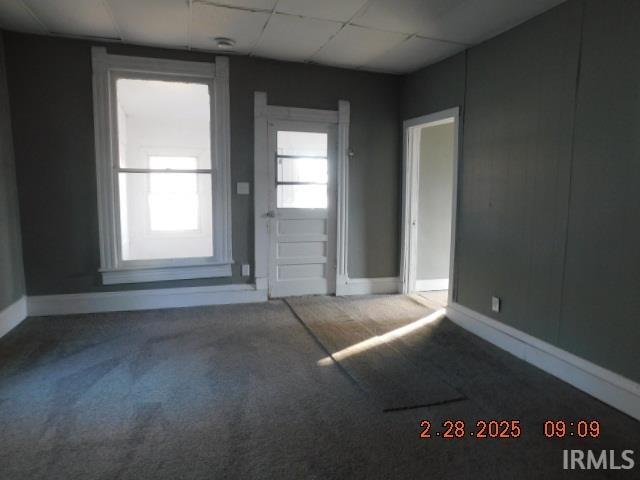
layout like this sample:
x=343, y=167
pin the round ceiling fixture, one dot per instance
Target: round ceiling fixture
x=223, y=43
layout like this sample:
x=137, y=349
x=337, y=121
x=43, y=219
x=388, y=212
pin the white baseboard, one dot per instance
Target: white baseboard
x=11, y=316
x=603, y=384
x=433, y=284
x=369, y=286
x=143, y=299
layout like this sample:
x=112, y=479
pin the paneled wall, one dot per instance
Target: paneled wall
x=549, y=206
x=11, y=271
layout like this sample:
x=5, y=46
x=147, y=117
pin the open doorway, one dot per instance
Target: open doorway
x=429, y=206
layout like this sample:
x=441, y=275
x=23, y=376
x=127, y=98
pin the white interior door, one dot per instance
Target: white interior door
x=302, y=203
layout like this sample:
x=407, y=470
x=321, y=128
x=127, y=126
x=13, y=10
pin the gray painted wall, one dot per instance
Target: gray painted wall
x=600, y=316
x=549, y=205
x=514, y=183
x=11, y=271
x=434, y=201
x=438, y=87
x=50, y=89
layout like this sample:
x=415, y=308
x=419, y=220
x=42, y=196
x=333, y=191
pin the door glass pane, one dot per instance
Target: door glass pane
x=302, y=196
x=162, y=118
x=302, y=143
x=302, y=169
x=165, y=215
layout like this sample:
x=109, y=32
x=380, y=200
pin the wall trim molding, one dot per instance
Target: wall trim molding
x=43, y=305
x=432, y=284
x=260, y=189
x=370, y=286
x=135, y=275
x=410, y=194
x=13, y=315
x=275, y=112
x=605, y=385
x=342, y=206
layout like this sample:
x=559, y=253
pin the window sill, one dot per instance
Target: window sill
x=140, y=275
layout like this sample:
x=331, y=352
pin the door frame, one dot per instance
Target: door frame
x=263, y=113
x=410, y=191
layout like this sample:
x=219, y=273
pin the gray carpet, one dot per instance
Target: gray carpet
x=352, y=333
x=236, y=392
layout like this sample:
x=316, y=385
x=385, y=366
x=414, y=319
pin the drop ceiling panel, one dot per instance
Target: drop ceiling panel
x=255, y=4
x=406, y=16
x=75, y=17
x=162, y=22
x=294, y=38
x=243, y=26
x=463, y=21
x=300, y=30
x=15, y=16
x=473, y=22
x=339, y=10
x=355, y=46
x=413, y=54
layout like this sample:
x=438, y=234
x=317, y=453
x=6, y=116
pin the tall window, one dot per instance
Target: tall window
x=161, y=133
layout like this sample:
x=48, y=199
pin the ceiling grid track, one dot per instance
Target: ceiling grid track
x=33, y=15
x=368, y=35
x=116, y=27
x=344, y=25
x=189, y=22
x=266, y=24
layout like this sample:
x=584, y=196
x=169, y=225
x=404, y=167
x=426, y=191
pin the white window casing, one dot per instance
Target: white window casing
x=107, y=68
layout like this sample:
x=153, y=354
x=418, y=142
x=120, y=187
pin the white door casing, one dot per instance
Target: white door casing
x=263, y=182
x=411, y=175
x=302, y=241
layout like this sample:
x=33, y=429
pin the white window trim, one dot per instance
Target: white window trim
x=113, y=269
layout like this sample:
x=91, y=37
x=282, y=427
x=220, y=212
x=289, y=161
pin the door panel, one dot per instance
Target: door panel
x=302, y=231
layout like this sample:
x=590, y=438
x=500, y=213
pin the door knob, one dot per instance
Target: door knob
x=270, y=214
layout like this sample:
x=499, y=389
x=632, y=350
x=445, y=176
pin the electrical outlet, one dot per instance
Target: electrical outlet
x=246, y=270
x=495, y=304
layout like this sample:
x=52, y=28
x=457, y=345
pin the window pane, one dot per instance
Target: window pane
x=302, y=196
x=162, y=119
x=302, y=143
x=174, y=213
x=302, y=170
x=173, y=183
x=165, y=215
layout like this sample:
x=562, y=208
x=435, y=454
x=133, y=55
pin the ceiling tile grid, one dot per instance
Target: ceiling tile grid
x=293, y=38
x=337, y=10
x=14, y=14
x=209, y=22
x=162, y=22
x=75, y=17
x=396, y=36
x=354, y=46
x=412, y=54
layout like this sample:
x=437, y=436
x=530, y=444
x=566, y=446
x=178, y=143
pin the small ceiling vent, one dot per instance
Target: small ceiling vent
x=223, y=43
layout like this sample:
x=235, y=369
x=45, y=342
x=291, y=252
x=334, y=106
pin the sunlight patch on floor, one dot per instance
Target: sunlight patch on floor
x=380, y=339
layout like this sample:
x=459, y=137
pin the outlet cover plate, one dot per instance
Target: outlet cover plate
x=495, y=304
x=246, y=270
